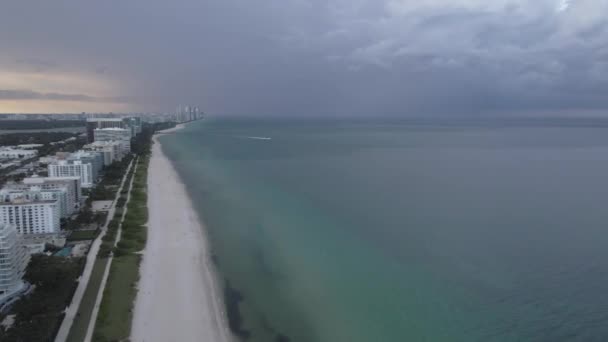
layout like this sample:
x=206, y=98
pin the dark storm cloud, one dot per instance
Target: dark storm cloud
x=332, y=57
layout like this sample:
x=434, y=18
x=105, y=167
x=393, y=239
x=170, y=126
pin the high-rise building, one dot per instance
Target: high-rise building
x=13, y=262
x=89, y=157
x=111, y=150
x=31, y=215
x=187, y=113
x=121, y=135
x=73, y=168
x=101, y=123
x=135, y=124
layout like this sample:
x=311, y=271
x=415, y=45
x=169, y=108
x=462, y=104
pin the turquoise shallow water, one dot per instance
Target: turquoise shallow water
x=410, y=231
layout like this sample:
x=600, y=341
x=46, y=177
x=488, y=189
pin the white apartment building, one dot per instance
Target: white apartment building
x=13, y=262
x=71, y=184
x=36, y=193
x=73, y=168
x=122, y=135
x=91, y=157
x=111, y=150
x=100, y=123
x=31, y=216
x=10, y=153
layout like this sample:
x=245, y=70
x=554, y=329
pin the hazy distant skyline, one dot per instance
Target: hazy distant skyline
x=305, y=57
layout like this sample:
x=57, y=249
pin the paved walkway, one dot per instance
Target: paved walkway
x=83, y=282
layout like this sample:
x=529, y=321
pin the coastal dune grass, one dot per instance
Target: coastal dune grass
x=116, y=310
x=115, y=314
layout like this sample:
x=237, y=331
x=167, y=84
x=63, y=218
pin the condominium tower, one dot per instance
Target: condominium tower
x=31, y=215
x=13, y=261
x=73, y=168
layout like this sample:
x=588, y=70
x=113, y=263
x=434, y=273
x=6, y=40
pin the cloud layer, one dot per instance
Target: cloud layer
x=312, y=57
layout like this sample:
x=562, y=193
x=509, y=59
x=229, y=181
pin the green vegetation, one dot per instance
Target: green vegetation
x=114, y=319
x=112, y=176
x=86, y=217
x=78, y=235
x=40, y=124
x=115, y=314
x=39, y=314
x=80, y=325
x=34, y=138
x=133, y=237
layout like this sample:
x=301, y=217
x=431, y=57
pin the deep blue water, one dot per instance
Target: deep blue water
x=406, y=231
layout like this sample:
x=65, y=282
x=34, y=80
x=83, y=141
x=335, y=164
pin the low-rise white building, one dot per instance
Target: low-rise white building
x=13, y=262
x=29, y=146
x=73, y=168
x=11, y=153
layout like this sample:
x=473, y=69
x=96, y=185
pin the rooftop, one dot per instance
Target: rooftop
x=104, y=119
x=112, y=129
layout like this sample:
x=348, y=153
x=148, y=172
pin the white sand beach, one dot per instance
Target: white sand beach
x=179, y=298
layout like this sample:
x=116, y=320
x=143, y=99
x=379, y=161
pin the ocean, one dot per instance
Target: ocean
x=412, y=230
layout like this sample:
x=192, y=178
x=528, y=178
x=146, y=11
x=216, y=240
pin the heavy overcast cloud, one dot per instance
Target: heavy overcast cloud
x=305, y=57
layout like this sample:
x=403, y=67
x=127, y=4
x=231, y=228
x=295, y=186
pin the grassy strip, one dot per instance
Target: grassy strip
x=115, y=313
x=80, y=325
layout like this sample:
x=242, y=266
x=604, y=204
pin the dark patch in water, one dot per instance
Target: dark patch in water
x=215, y=260
x=232, y=298
x=278, y=336
x=282, y=338
x=259, y=256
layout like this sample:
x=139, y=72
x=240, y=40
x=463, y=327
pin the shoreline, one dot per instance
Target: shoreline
x=179, y=297
x=169, y=130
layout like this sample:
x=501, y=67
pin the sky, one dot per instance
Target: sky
x=305, y=57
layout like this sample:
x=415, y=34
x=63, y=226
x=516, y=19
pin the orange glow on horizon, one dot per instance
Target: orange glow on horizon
x=59, y=107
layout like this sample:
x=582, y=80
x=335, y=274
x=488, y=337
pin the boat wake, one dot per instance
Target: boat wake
x=258, y=138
